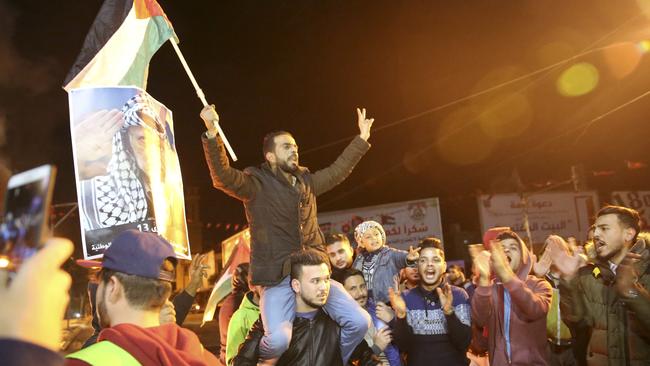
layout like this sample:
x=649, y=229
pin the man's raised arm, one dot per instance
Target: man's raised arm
x=232, y=181
x=330, y=177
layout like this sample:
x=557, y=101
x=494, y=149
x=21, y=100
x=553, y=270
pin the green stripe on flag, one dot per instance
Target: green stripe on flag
x=158, y=32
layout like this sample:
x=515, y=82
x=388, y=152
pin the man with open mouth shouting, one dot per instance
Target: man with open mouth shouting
x=510, y=302
x=611, y=294
x=432, y=322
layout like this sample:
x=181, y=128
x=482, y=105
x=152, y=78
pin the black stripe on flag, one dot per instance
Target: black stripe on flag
x=109, y=18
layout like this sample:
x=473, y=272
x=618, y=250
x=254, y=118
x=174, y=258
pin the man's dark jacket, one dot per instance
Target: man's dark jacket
x=282, y=217
x=314, y=342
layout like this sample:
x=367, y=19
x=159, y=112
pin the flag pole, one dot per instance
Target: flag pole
x=201, y=96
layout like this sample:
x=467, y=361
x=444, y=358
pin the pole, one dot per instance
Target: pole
x=72, y=206
x=201, y=96
x=523, y=196
x=524, y=203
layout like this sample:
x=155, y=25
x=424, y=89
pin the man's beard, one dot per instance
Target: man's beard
x=598, y=243
x=288, y=169
x=341, y=264
x=362, y=299
x=285, y=167
x=311, y=303
x=102, y=312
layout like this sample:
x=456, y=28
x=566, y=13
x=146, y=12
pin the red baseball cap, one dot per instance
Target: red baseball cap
x=492, y=234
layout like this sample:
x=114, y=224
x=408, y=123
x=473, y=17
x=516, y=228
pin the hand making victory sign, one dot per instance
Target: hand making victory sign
x=364, y=124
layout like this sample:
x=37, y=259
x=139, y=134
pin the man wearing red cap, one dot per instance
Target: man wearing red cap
x=134, y=283
x=510, y=302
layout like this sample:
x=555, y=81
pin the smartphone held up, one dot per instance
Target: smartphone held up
x=26, y=212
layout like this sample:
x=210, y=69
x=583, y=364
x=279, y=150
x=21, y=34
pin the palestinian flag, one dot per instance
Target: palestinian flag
x=237, y=249
x=120, y=44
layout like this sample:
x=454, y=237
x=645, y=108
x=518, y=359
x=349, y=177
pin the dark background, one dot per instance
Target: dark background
x=304, y=66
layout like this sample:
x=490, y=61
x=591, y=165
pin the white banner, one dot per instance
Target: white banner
x=638, y=200
x=561, y=213
x=405, y=223
x=127, y=169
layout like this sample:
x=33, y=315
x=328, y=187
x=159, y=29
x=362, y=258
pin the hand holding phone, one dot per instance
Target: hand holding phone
x=26, y=210
x=33, y=303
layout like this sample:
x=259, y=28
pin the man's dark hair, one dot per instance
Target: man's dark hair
x=141, y=292
x=268, y=144
x=334, y=238
x=308, y=257
x=343, y=275
x=431, y=242
x=457, y=267
x=628, y=217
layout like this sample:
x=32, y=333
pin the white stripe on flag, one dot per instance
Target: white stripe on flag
x=211, y=306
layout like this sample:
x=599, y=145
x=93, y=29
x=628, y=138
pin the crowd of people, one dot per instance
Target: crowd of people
x=307, y=299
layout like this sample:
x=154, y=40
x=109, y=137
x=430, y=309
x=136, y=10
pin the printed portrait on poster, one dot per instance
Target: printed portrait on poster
x=126, y=165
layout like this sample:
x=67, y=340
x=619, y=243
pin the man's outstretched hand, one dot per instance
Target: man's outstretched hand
x=364, y=124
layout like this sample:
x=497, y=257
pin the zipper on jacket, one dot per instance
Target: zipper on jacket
x=626, y=346
x=300, y=223
x=311, y=340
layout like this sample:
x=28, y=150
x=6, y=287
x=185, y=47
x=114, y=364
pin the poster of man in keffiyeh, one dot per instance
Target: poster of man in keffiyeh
x=127, y=170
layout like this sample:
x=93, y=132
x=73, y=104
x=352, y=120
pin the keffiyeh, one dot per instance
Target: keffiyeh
x=119, y=197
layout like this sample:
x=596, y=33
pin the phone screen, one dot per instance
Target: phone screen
x=27, y=203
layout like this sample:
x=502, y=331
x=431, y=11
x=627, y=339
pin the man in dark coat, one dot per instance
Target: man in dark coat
x=279, y=198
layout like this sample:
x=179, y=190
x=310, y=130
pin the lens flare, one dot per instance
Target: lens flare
x=643, y=46
x=579, y=79
x=507, y=115
x=622, y=58
x=460, y=141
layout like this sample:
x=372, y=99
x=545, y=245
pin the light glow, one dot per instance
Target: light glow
x=579, y=79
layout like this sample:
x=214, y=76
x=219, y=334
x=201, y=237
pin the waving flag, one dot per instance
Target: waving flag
x=237, y=250
x=120, y=44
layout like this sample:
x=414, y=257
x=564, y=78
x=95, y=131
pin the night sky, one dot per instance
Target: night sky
x=462, y=92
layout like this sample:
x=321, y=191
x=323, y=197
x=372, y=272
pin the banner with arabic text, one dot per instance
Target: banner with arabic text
x=405, y=223
x=638, y=200
x=561, y=213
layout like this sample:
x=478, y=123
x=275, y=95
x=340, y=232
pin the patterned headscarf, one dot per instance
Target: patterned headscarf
x=119, y=197
x=364, y=226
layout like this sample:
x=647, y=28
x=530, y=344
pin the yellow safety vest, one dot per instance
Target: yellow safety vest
x=105, y=353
